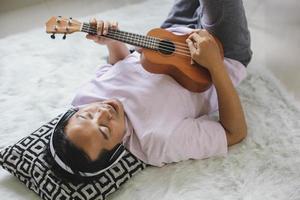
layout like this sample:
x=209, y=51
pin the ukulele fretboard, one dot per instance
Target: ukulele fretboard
x=123, y=36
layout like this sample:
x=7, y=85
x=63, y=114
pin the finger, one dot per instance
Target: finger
x=201, y=32
x=139, y=49
x=195, y=30
x=106, y=26
x=99, y=27
x=93, y=22
x=205, y=34
x=98, y=39
x=192, y=49
x=195, y=40
x=195, y=37
x=191, y=46
x=114, y=25
x=91, y=37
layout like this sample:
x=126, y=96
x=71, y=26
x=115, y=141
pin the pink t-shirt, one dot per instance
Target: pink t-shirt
x=165, y=122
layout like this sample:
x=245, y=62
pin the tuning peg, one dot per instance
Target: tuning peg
x=70, y=21
x=65, y=36
x=53, y=36
x=58, y=19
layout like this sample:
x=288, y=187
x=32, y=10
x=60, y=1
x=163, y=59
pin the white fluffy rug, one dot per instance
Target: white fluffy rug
x=39, y=77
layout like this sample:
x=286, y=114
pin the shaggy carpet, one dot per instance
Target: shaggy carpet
x=39, y=77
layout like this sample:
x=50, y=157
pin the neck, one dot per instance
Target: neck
x=129, y=128
x=126, y=37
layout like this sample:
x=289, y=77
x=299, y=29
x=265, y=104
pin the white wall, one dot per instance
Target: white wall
x=22, y=15
x=9, y=5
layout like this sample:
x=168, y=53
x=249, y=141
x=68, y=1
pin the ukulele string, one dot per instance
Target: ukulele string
x=165, y=46
x=180, y=47
x=155, y=41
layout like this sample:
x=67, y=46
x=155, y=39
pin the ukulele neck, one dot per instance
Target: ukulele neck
x=126, y=37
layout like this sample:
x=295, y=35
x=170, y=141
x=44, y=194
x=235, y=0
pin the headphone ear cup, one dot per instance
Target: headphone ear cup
x=67, y=116
x=107, y=160
x=119, y=149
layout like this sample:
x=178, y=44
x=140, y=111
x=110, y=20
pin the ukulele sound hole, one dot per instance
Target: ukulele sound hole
x=166, y=47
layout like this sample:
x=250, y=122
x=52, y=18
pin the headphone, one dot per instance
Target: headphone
x=95, y=168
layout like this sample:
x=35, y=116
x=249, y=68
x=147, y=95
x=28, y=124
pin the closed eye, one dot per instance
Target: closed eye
x=89, y=115
x=104, y=131
x=81, y=116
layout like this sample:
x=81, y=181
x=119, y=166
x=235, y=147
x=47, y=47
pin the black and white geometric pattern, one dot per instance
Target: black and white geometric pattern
x=25, y=160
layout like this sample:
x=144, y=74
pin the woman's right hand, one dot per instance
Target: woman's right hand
x=204, y=49
x=102, y=29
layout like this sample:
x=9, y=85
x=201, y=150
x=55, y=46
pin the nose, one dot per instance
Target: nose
x=103, y=115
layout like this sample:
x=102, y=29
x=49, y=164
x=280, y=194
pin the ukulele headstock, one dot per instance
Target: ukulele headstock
x=62, y=25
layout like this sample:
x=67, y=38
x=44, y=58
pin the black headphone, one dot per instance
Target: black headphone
x=93, y=168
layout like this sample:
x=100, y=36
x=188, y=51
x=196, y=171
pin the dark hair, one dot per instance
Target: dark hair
x=72, y=150
x=73, y=156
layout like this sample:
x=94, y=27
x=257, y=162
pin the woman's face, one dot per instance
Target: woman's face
x=97, y=126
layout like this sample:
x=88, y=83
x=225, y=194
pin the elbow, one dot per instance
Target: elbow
x=236, y=137
x=244, y=133
x=241, y=131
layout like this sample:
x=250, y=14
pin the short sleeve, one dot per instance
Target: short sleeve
x=236, y=70
x=102, y=69
x=196, y=139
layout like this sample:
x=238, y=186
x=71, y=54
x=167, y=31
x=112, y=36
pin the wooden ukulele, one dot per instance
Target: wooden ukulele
x=163, y=52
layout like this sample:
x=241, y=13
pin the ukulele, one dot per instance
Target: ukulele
x=163, y=52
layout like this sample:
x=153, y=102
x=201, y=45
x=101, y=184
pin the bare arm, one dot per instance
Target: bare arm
x=117, y=50
x=204, y=51
x=230, y=108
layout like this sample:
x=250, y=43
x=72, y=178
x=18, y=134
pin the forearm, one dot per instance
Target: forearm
x=117, y=51
x=205, y=51
x=230, y=109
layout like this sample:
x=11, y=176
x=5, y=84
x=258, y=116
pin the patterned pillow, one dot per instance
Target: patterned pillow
x=27, y=161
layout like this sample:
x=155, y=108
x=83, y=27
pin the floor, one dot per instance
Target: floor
x=275, y=28
x=274, y=25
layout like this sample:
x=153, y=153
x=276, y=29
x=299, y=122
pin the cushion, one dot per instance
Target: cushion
x=27, y=161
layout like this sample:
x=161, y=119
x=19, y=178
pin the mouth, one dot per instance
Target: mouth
x=114, y=106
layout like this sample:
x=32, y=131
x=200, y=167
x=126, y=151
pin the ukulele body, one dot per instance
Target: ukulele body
x=192, y=77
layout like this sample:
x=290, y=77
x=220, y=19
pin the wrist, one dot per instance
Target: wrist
x=216, y=68
x=220, y=76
